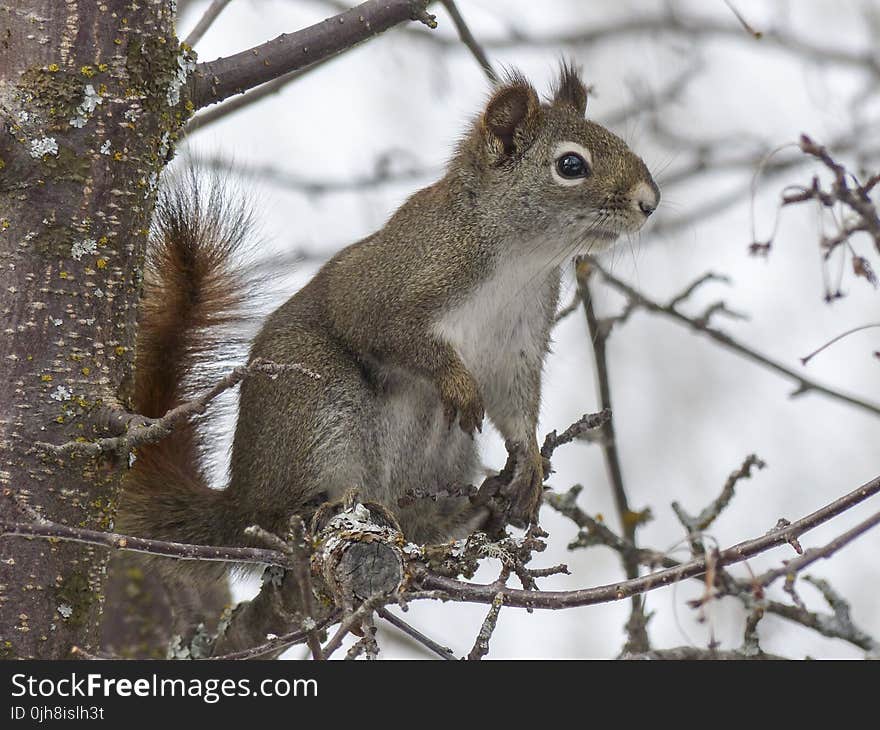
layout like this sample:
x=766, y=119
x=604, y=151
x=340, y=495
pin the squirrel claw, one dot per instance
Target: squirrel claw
x=461, y=397
x=471, y=417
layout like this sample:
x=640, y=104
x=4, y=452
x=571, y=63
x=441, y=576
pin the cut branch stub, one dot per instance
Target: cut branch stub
x=358, y=554
x=370, y=567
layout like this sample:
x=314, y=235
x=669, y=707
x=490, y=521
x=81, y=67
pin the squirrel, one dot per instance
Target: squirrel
x=417, y=332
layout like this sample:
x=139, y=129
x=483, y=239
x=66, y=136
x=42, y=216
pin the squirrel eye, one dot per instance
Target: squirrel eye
x=572, y=165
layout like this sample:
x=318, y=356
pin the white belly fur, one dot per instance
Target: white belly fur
x=503, y=322
x=498, y=330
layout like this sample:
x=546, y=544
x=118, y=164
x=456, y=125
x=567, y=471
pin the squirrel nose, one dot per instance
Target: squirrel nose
x=645, y=197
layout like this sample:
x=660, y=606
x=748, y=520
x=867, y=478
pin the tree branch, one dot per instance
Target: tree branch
x=140, y=430
x=450, y=589
x=838, y=625
x=586, y=423
x=692, y=653
x=673, y=23
x=481, y=643
x=696, y=525
x=443, y=652
x=383, y=173
x=214, y=81
x=353, y=621
x=276, y=646
x=804, y=385
x=594, y=532
x=178, y=550
x=554, y=600
x=792, y=567
x=636, y=626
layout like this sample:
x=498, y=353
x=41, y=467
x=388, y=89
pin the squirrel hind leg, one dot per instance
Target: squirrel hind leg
x=299, y=441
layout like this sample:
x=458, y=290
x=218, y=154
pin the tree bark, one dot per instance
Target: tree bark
x=90, y=105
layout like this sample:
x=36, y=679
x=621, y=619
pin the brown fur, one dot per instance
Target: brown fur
x=570, y=90
x=441, y=317
x=194, y=296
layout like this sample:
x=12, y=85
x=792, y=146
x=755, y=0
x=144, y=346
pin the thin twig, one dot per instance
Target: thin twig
x=274, y=646
x=205, y=22
x=230, y=106
x=593, y=532
x=141, y=430
x=304, y=582
x=464, y=33
x=443, y=652
x=587, y=422
x=807, y=358
x=756, y=34
x=382, y=174
x=809, y=557
x=282, y=642
x=298, y=555
x=751, y=641
x=693, y=28
x=353, y=620
x=481, y=643
x=568, y=309
x=804, y=385
x=180, y=551
x=845, y=194
x=365, y=645
x=856, y=197
x=688, y=291
x=637, y=633
x=696, y=525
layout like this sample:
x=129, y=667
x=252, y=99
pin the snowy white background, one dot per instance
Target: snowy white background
x=686, y=411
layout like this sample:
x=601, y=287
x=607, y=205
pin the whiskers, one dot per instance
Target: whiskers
x=594, y=237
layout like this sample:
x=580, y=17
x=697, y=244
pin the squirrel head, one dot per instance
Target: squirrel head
x=551, y=172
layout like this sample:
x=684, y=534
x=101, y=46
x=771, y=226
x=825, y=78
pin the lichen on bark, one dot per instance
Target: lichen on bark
x=85, y=131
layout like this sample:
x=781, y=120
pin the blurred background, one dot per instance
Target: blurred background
x=329, y=156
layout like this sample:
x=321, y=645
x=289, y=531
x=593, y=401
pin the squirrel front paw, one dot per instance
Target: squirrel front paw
x=526, y=489
x=460, y=395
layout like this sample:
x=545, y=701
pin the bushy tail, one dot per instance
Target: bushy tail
x=196, y=285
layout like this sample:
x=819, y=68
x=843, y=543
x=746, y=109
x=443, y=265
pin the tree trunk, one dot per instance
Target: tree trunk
x=90, y=105
x=146, y=608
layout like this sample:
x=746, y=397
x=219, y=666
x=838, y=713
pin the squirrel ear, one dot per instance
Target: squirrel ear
x=512, y=115
x=570, y=90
